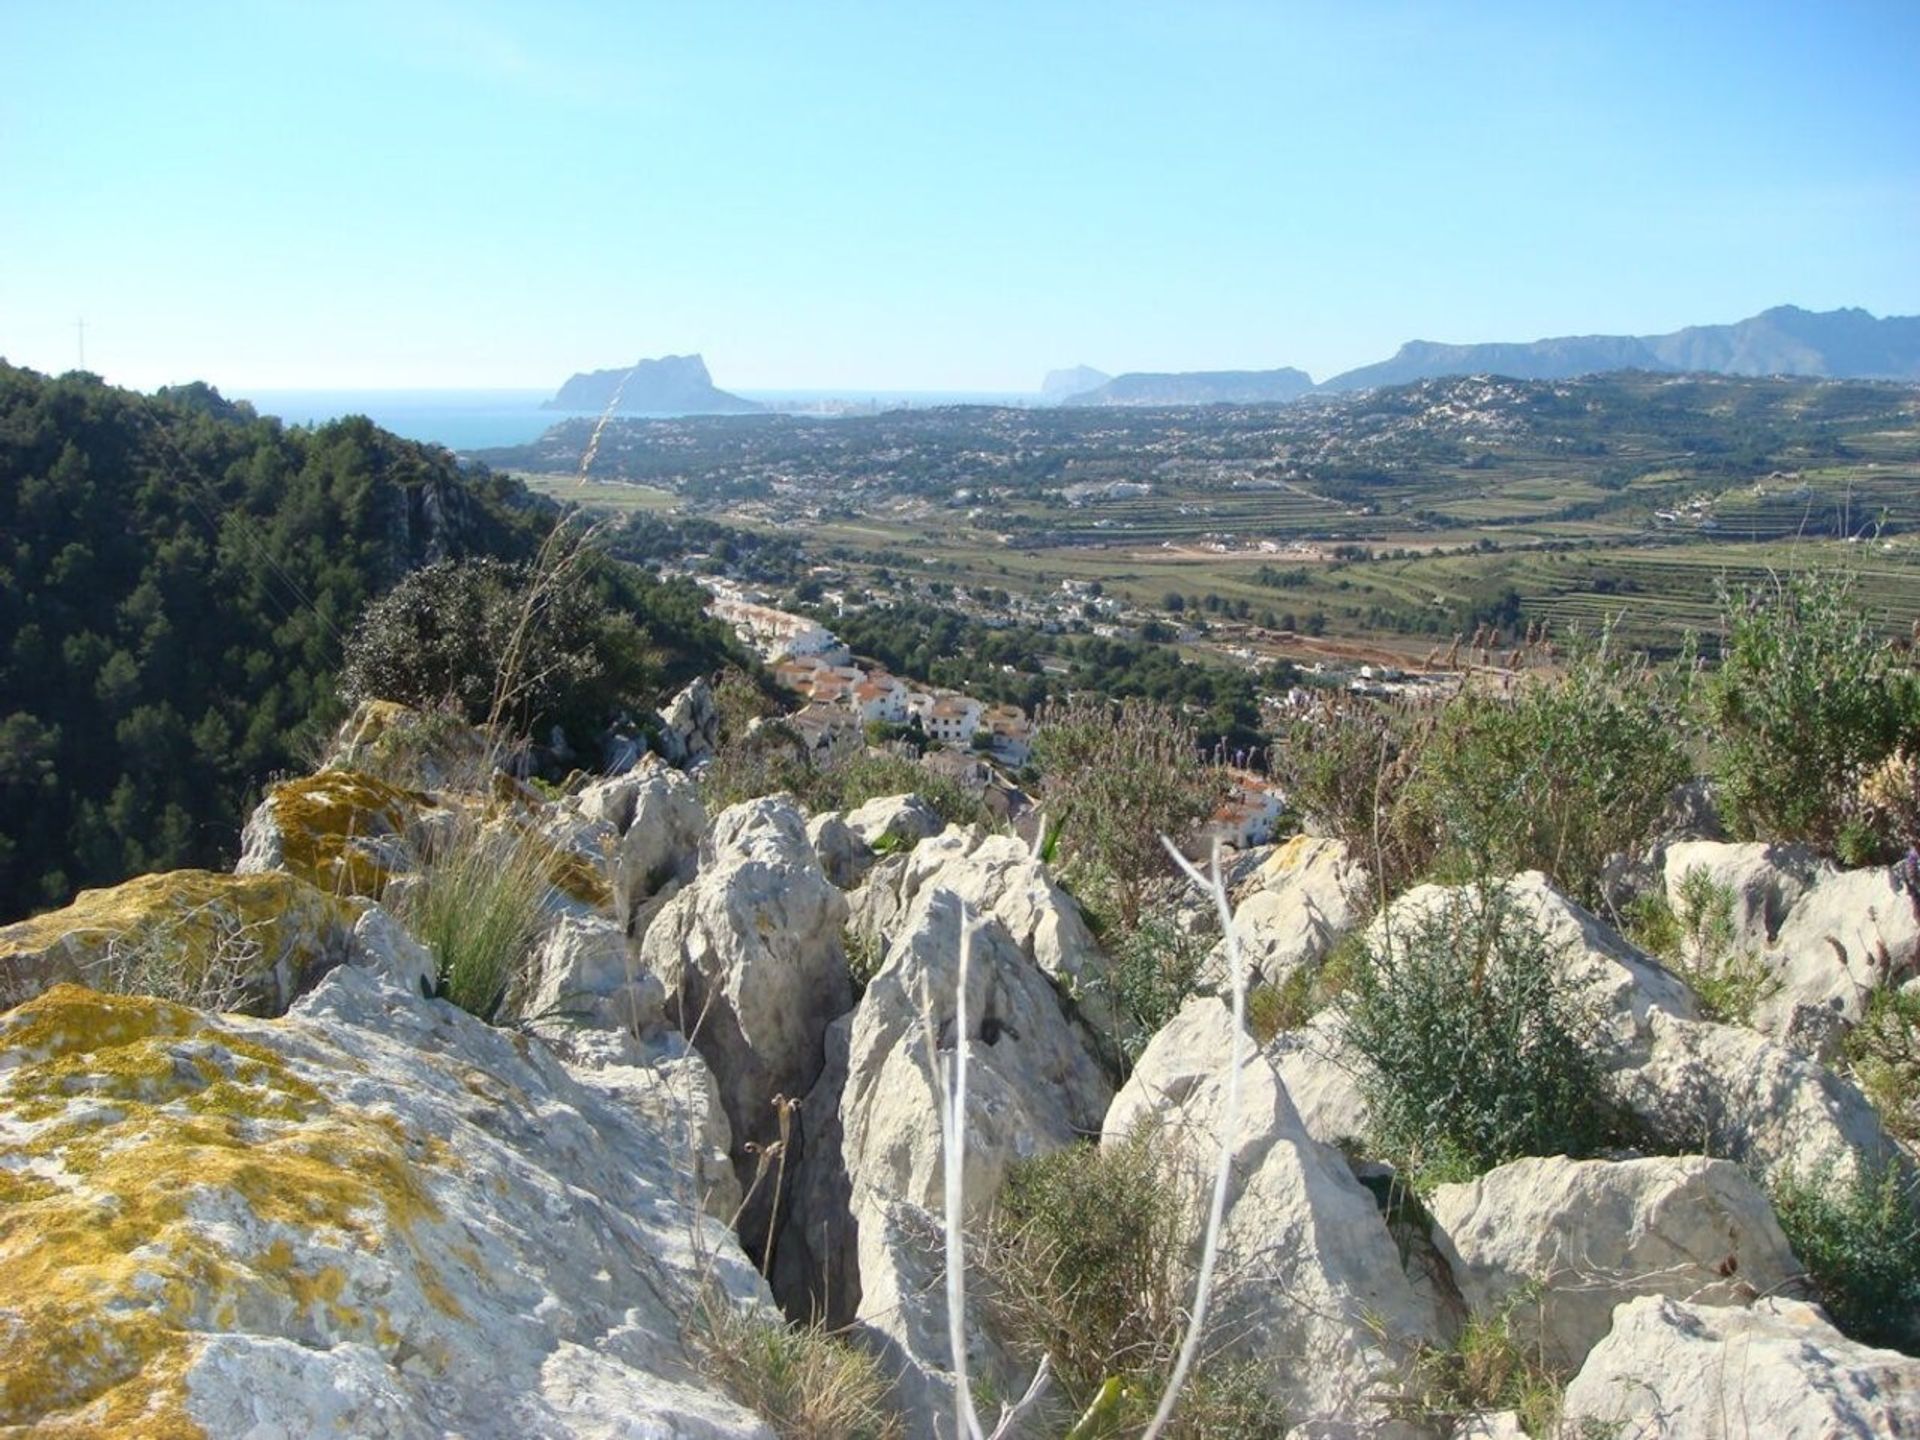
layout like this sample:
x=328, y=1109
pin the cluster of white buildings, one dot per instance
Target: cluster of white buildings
x=1250, y=814
x=874, y=695
x=775, y=633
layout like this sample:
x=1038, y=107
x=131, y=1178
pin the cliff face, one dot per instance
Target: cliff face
x=670, y=385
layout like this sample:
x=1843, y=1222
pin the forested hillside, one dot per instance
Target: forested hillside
x=177, y=578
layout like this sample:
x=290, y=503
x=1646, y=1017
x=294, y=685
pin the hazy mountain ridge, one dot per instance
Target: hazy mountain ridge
x=1201, y=387
x=670, y=385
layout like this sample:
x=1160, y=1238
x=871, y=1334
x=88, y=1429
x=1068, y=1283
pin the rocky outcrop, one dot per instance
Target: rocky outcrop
x=895, y=822
x=1765, y=882
x=375, y=1217
x=238, y=941
x=1851, y=933
x=1556, y=1244
x=340, y=830
x=651, y=825
x=1322, y=1077
x=843, y=855
x=751, y=960
x=1315, y=1290
x=690, y=725
x=1672, y=1371
x=1304, y=898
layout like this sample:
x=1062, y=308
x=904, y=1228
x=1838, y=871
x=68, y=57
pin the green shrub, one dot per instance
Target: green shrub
x=804, y=1382
x=1154, y=971
x=1695, y=939
x=1089, y=1260
x=865, y=956
x=1860, y=1242
x=1570, y=769
x=478, y=905
x=1486, y=1368
x=1884, y=1051
x=1806, y=702
x=1473, y=1047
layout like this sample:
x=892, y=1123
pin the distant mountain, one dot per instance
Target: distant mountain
x=671, y=385
x=1200, y=387
x=1062, y=385
x=1837, y=344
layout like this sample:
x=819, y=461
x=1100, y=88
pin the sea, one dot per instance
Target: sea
x=469, y=420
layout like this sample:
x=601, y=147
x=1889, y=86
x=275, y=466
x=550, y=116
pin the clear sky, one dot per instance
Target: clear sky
x=929, y=195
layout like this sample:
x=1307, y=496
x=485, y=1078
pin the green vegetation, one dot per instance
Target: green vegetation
x=1155, y=968
x=1884, y=1051
x=177, y=580
x=1860, y=1241
x=806, y=1383
x=1474, y=1050
x=478, y=906
x=1117, y=779
x=774, y=759
x=1695, y=939
x=1806, y=702
x=1088, y=1263
x=1486, y=1368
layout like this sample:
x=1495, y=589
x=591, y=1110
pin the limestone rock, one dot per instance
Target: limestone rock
x=1322, y=1078
x=751, y=959
x=660, y=841
x=895, y=821
x=383, y=945
x=1307, y=895
x=342, y=831
x=1564, y=1241
x=425, y=750
x=690, y=725
x=1669, y=1370
x=1316, y=1289
x=1849, y=934
x=1723, y=1090
x=1766, y=882
x=374, y=1217
x=843, y=854
x=241, y=941
x=582, y=974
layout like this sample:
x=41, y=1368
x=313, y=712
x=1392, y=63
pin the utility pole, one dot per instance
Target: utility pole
x=80, y=340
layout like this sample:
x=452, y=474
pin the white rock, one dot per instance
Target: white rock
x=1851, y=933
x=1314, y=1289
x=1673, y=1371
x=1309, y=893
x=843, y=854
x=659, y=849
x=1723, y=1090
x=902, y=820
x=382, y=944
x=1561, y=1242
x=1322, y=1077
x=750, y=954
x=690, y=724
x=1766, y=881
x=582, y=974
x=398, y=1221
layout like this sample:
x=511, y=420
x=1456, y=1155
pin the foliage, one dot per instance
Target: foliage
x=1118, y=778
x=1884, y=1051
x=1486, y=1368
x=1155, y=969
x=1570, y=769
x=806, y=1383
x=1805, y=703
x=477, y=905
x=218, y=975
x=1695, y=939
x=1473, y=1047
x=1860, y=1241
x=865, y=955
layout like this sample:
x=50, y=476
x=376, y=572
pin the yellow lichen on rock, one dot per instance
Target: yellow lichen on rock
x=173, y=929
x=132, y=1117
x=330, y=827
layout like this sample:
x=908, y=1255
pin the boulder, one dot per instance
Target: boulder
x=383, y=945
x=895, y=822
x=690, y=725
x=997, y=875
x=1322, y=1079
x=843, y=854
x=1669, y=1370
x=1723, y=1090
x=1561, y=1242
x=1312, y=1282
x=1849, y=934
x=345, y=832
x=581, y=973
x=1766, y=881
x=376, y=1216
x=1306, y=896
x=751, y=959
x=661, y=828
x=235, y=941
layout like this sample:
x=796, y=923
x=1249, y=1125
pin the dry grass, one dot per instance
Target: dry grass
x=804, y=1382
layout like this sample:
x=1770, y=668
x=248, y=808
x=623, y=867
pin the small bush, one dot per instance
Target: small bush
x=865, y=955
x=1154, y=971
x=1487, y=1368
x=1472, y=1045
x=1860, y=1242
x=1806, y=703
x=207, y=959
x=1695, y=939
x=1569, y=770
x=478, y=906
x=1884, y=1051
x=804, y=1382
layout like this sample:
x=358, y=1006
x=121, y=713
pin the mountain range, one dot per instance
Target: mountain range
x=671, y=385
x=1786, y=340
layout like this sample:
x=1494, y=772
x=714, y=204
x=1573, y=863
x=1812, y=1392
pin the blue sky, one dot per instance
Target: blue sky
x=928, y=195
